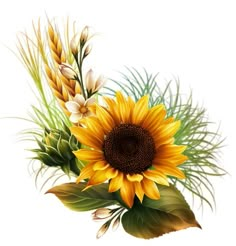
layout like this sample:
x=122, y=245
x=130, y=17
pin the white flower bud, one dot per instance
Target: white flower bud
x=103, y=230
x=84, y=35
x=74, y=44
x=67, y=71
x=116, y=223
x=93, y=84
x=102, y=213
x=87, y=50
x=90, y=80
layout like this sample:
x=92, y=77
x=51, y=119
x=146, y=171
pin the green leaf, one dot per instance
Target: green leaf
x=73, y=196
x=154, y=218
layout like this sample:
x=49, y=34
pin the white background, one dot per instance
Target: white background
x=194, y=40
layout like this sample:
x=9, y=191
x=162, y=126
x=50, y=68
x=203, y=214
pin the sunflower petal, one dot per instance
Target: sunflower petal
x=150, y=189
x=169, y=150
x=140, y=110
x=139, y=191
x=84, y=136
x=105, y=119
x=134, y=177
x=111, y=173
x=88, y=155
x=172, y=160
x=95, y=127
x=113, y=109
x=116, y=182
x=97, y=178
x=127, y=192
x=170, y=170
x=156, y=176
x=131, y=103
x=154, y=117
x=168, y=130
x=124, y=108
x=100, y=165
x=86, y=172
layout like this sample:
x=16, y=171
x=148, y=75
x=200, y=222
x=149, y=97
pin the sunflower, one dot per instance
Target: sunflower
x=131, y=146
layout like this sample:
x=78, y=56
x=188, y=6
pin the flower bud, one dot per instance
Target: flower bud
x=87, y=50
x=103, y=230
x=116, y=223
x=67, y=71
x=74, y=43
x=84, y=35
x=93, y=84
x=90, y=80
x=102, y=213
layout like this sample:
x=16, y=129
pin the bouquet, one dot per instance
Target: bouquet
x=129, y=148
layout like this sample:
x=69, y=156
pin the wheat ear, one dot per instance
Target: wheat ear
x=57, y=87
x=58, y=56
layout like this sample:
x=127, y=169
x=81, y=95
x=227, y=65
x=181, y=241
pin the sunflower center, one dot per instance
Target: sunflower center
x=129, y=148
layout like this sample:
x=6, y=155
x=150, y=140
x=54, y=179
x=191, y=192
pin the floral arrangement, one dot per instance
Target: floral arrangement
x=129, y=147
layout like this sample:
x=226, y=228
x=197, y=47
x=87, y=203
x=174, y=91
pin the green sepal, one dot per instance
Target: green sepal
x=73, y=196
x=154, y=218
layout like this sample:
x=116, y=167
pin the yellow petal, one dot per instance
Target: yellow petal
x=85, y=137
x=100, y=165
x=97, y=178
x=170, y=170
x=116, y=182
x=140, y=110
x=168, y=130
x=168, y=150
x=127, y=192
x=169, y=120
x=105, y=119
x=156, y=176
x=111, y=173
x=95, y=128
x=159, y=142
x=131, y=103
x=86, y=172
x=154, y=117
x=139, y=191
x=88, y=155
x=134, y=177
x=113, y=109
x=165, y=132
x=150, y=189
x=171, y=160
x=124, y=108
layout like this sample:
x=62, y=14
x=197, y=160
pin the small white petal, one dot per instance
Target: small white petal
x=79, y=99
x=100, y=82
x=72, y=107
x=90, y=101
x=74, y=118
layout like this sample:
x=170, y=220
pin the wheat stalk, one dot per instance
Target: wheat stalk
x=58, y=56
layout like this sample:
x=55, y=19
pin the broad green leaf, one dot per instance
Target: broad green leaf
x=73, y=196
x=154, y=218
